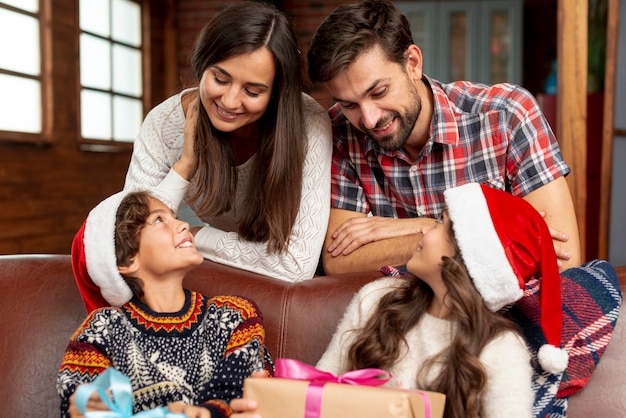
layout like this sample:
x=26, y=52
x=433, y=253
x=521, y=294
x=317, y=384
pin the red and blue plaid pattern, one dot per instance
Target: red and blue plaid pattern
x=493, y=135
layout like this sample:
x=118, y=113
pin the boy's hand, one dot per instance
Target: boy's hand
x=246, y=408
x=191, y=411
x=93, y=404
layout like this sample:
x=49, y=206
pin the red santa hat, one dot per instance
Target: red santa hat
x=504, y=242
x=94, y=261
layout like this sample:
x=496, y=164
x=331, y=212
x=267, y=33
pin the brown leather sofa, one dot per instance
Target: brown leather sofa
x=40, y=308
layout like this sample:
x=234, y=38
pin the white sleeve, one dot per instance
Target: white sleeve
x=509, y=378
x=307, y=236
x=358, y=311
x=157, y=147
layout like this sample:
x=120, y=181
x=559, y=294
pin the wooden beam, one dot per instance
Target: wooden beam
x=608, y=124
x=572, y=101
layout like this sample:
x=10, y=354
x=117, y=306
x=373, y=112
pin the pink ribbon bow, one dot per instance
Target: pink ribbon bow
x=294, y=369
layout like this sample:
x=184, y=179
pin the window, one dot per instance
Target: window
x=111, y=68
x=21, y=71
x=477, y=40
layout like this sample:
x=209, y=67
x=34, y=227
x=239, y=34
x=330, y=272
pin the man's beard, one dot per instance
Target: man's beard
x=406, y=124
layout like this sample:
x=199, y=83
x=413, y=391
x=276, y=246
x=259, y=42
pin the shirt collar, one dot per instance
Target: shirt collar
x=443, y=128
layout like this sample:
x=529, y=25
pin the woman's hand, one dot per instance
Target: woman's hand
x=191, y=411
x=95, y=403
x=184, y=165
x=246, y=408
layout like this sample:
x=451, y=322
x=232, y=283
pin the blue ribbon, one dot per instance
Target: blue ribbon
x=121, y=404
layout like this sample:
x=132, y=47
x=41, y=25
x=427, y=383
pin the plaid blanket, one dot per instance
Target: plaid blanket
x=591, y=300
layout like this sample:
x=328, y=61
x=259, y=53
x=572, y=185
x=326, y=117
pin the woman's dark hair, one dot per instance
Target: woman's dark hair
x=130, y=219
x=352, y=29
x=462, y=376
x=272, y=199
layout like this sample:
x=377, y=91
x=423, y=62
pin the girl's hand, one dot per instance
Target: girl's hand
x=93, y=404
x=184, y=165
x=191, y=411
x=246, y=408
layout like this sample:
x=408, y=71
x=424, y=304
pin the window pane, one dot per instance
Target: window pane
x=94, y=16
x=127, y=70
x=95, y=62
x=21, y=53
x=126, y=22
x=95, y=108
x=458, y=48
x=127, y=118
x=500, y=46
x=28, y=5
x=23, y=112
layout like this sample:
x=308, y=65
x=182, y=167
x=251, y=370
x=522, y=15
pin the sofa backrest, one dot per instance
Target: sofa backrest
x=40, y=308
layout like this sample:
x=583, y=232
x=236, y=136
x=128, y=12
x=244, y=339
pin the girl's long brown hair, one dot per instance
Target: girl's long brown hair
x=272, y=199
x=462, y=376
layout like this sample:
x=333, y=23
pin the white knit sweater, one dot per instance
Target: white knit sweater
x=508, y=392
x=160, y=144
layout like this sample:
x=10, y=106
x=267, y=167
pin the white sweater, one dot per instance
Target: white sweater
x=508, y=392
x=160, y=144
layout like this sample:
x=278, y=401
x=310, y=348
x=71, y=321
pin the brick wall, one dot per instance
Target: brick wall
x=46, y=190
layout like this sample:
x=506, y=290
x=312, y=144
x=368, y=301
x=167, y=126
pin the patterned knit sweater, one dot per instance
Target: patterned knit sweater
x=199, y=355
x=160, y=144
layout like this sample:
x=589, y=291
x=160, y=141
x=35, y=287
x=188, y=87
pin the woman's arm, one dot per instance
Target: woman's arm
x=156, y=149
x=300, y=260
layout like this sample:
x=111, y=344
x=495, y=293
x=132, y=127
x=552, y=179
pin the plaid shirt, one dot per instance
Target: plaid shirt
x=495, y=135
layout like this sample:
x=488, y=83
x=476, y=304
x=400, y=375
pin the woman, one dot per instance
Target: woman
x=247, y=151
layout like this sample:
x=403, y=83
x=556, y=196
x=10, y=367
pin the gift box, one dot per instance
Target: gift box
x=323, y=395
x=115, y=390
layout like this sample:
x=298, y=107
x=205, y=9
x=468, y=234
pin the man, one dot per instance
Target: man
x=402, y=138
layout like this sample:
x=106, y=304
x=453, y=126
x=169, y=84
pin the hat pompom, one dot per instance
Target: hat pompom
x=552, y=359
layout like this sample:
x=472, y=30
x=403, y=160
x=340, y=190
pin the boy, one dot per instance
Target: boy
x=179, y=348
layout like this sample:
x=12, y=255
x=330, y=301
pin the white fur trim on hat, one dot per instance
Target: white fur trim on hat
x=481, y=248
x=100, y=256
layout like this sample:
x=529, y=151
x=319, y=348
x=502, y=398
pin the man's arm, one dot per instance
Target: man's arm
x=555, y=200
x=355, y=242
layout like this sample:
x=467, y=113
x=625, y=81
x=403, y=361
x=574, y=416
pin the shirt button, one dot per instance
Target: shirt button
x=421, y=210
x=413, y=169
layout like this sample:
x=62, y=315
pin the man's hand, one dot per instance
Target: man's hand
x=558, y=236
x=555, y=201
x=359, y=231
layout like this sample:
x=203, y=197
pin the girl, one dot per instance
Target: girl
x=180, y=349
x=246, y=149
x=440, y=330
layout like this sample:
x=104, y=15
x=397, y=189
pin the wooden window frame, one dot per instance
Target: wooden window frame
x=45, y=79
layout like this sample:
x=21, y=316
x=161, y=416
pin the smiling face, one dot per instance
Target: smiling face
x=380, y=97
x=236, y=92
x=166, y=244
x=435, y=242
